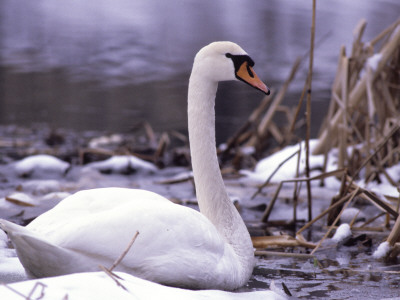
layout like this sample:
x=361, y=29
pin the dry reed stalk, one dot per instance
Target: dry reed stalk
x=263, y=126
x=378, y=202
x=394, y=252
x=355, y=193
x=354, y=219
x=331, y=207
x=151, y=136
x=123, y=254
x=273, y=173
x=246, y=131
x=372, y=219
x=271, y=204
x=281, y=241
x=161, y=147
x=283, y=254
x=84, y=151
x=367, y=195
x=379, y=146
x=37, y=285
x=379, y=229
x=308, y=111
x=343, y=130
x=358, y=92
x=296, y=190
x=113, y=276
x=384, y=33
x=110, y=272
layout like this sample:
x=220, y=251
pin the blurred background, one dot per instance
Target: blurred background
x=107, y=65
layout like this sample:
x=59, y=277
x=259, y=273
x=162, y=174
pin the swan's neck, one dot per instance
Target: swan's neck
x=212, y=197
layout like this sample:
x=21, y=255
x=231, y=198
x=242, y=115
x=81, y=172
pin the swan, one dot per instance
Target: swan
x=177, y=246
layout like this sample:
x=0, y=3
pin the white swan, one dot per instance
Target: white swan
x=177, y=246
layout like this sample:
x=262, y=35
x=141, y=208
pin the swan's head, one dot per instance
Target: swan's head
x=221, y=61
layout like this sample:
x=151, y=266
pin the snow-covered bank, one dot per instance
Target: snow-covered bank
x=100, y=286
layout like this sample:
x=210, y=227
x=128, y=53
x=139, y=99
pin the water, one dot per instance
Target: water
x=109, y=65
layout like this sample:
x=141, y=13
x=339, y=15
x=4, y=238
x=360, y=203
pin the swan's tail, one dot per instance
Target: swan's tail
x=41, y=258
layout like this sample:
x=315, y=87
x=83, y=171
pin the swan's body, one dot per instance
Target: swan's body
x=177, y=245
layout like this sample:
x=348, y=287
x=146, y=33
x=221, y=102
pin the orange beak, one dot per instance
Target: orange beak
x=247, y=74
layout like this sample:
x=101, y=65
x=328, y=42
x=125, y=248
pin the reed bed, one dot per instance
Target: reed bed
x=362, y=122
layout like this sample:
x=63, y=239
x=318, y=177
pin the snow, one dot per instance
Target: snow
x=101, y=141
x=342, y=232
x=10, y=267
x=268, y=165
x=382, y=250
x=248, y=150
x=122, y=164
x=40, y=165
x=41, y=186
x=98, y=285
x=350, y=213
x=374, y=60
x=3, y=239
x=265, y=168
x=385, y=187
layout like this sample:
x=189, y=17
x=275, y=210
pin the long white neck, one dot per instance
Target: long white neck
x=212, y=197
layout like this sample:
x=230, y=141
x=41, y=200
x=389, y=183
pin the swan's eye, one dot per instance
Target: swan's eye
x=249, y=71
x=240, y=59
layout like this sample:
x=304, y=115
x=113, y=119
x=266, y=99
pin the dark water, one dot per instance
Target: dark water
x=107, y=65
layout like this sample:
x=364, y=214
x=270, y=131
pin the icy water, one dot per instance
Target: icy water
x=107, y=66
x=340, y=272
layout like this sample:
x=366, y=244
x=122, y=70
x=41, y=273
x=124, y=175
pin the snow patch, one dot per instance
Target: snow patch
x=123, y=164
x=373, y=61
x=40, y=165
x=265, y=167
x=342, y=232
x=382, y=250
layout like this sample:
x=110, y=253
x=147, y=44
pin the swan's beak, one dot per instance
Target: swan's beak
x=247, y=74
